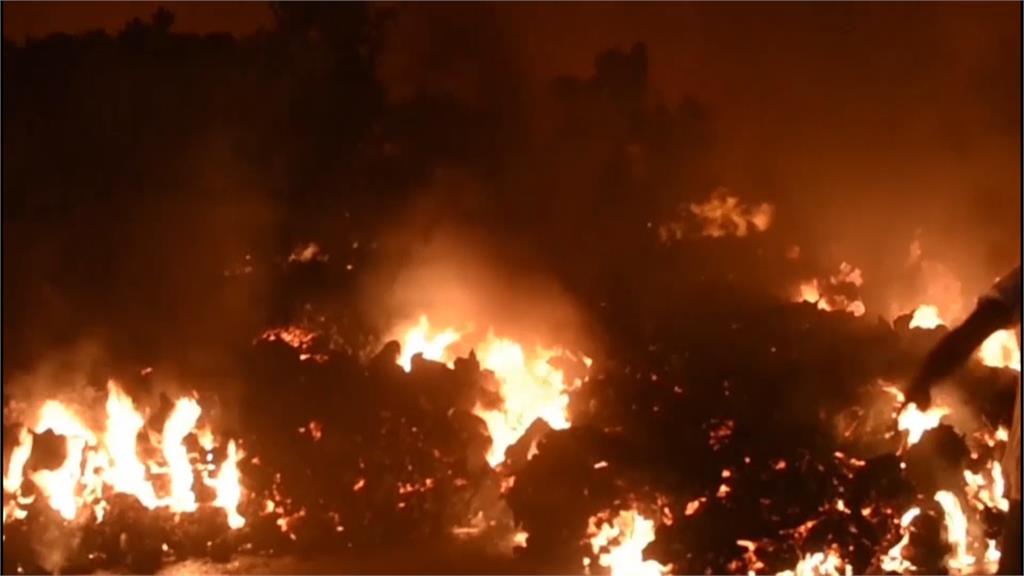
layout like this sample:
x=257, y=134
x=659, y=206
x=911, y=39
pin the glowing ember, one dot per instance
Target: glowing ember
x=300, y=339
x=927, y=317
x=1001, y=350
x=620, y=544
x=307, y=253
x=915, y=422
x=956, y=530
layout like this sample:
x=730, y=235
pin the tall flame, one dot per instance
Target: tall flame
x=180, y=422
x=127, y=474
x=229, y=489
x=956, y=529
x=530, y=388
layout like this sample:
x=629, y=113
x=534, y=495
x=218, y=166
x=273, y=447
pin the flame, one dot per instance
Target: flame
x=984, y=494
x=956, y=529
x=724, y=215
x=893, y=561
x=419, y=340
x=181, y=421
x=828, y=563
x=1000, y=350
x=825, y=297
x=91, y=470
x=16, y=465
x=127, y=474
x=229, y=488
x=59, y=485
x=927, y=317
x=915, y=422
x=992, y=553
x=624, y=539
x=529, y=386
x=530, y=389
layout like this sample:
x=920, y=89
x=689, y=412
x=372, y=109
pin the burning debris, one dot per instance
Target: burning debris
x=723, y=214
x=837, y=292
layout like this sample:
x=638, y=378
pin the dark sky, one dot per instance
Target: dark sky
x=35, y=19
x=867, y=123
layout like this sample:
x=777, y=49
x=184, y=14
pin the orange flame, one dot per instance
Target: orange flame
x=621, y=544
x=927, y=317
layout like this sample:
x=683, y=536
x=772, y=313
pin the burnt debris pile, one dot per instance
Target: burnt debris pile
x=753, y=450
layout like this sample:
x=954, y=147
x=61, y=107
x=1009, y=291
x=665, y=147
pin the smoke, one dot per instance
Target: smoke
x=866, y=126
x=432, y=260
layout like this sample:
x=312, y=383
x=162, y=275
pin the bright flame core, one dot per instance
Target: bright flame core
x=620, y=544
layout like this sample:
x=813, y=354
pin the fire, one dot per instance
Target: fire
x=420, y=340
x=529, y=385
x=927, y=317
x=721, y=215
x=825, y=296
x=915, y=422
x=956, y=529
x=16, y=466
x=724, y=215
x=181, y=421
x=1000, y=350
x=96, y=466
x=893, y=561
x=828, y=563
x=127, y=474
x=985, y=494
x=301, y=339
x=620, y=544
x=229, y=489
